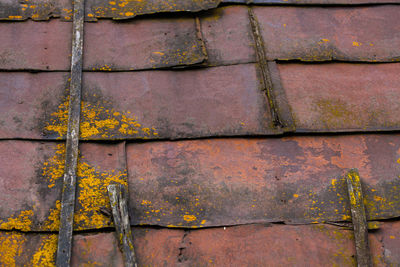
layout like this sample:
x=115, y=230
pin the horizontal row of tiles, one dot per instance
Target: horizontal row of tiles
x=202, y=183
x=124, y=9
x=369, y=34
x=247, y=245
x=217, y=101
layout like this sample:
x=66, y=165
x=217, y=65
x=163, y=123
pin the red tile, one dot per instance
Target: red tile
x=216, y=101
x=138, y=44
x=142, y=44
x=129, y=9
x=31, y=178
x=35, y=45
x=228, y=36
x=342, y=97
x=236, y=181
x=350, y=34
x=35, y=9
x=153, y=104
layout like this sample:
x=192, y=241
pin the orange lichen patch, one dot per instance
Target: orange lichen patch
x=53, y=168
x=189, y=218
x=21, y=222
x=92, y=191
x=93, y=195
x=10, y=248
x=53, y=220
x=98, y=121
x=45, y=255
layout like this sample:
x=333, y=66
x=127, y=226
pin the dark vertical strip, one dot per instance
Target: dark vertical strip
x=262, y=61
x=199, y=35
x=72, y=143
x=119, y=207
x=279, y=95
x=359, y=218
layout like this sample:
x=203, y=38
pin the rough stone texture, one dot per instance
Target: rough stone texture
x=349, y=34
x=343, y=97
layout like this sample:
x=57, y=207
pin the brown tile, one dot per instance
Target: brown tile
x=228, y=37
x=235, y=181
x=342, y=97
x=350, y=34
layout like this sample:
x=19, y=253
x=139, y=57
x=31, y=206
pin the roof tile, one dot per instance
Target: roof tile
x=343, y=97
x=348, y=34
x=32, y=172
x=228, y=36
x=150, y=104
x=236, y=181
x=308, y=245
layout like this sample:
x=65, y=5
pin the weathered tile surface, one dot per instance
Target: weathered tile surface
x=31, y=178
x=35, y=45
x=228, y=37
x=151, y=104
x=312, y=2
x=350, y=34
x=142, y=44
x=119, y=9
x=139, y=44
x=236, y=181
x=35, y=9
x=249, y=245
x=343, y=97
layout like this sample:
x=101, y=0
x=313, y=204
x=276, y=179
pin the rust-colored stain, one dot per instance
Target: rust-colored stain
x=237, y=181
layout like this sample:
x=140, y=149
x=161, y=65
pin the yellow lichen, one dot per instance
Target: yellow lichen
x=21, y=222
x=53, y=168
x=45, y=255
x=98, y=121
x=189, y=218
x=10, y=248
x=93, y=194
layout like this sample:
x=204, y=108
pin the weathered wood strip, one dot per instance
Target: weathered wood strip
x=72, y=140
x=119, y=206
x=264, y=70
x=359, y=218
